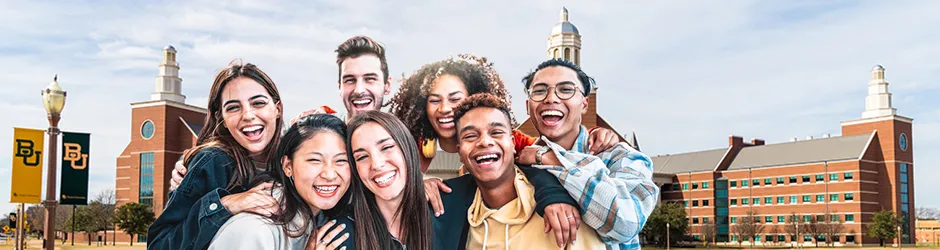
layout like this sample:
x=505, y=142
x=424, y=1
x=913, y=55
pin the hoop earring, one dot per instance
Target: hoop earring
x=429, y=148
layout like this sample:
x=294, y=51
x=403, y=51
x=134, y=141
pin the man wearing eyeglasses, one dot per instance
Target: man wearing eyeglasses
x=615, y=187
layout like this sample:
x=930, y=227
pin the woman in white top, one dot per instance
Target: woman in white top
x=311, y=176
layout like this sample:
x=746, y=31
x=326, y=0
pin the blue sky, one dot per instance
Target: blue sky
x=683, y=75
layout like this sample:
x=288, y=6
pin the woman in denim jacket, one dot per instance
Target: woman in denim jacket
x=242, y=130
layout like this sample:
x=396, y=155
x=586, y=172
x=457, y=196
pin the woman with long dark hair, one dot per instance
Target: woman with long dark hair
x=390, y=210
x=241, y=131
x=311, y=174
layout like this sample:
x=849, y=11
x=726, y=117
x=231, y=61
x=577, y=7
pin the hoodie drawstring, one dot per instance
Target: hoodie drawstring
x=486, y=233
x=507, y=237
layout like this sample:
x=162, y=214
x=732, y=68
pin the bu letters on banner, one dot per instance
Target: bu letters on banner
x=28, y=147
x=74, y=181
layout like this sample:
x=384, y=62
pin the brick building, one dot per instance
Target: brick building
x=161, y=129
x=867, y=169
x=928, y=232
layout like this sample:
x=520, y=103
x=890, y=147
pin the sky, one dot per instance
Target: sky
x=684, y=75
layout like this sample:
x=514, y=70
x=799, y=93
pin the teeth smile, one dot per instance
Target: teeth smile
x=385, y=178
x=552, y=113
x=254, y=128
x=486, y=157
x=326, y=189
x=362, y=101
x=445, y=120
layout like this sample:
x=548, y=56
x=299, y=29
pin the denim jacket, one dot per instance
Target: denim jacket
x=194, y=212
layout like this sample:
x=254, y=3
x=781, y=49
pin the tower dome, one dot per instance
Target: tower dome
x=563, y=25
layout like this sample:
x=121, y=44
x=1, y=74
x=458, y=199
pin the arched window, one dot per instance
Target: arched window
x=568, y=54
x=577, y=56
x=555, y=53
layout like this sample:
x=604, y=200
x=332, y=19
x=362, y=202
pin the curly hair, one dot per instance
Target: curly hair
x=410, y=103
x=482, y=100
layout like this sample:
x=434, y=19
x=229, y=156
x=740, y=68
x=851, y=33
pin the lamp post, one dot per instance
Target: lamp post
x=899, y=237
x=667, y=236
x=53, y=99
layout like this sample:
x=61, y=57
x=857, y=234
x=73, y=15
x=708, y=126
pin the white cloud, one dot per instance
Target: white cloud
x=684, y=76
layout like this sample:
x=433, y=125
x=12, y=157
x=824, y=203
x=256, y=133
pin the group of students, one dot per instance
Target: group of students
x=355, y=180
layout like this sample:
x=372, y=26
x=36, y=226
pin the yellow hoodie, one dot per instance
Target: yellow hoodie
x=518, y=222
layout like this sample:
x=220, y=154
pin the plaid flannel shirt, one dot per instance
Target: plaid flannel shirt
x=615, y=188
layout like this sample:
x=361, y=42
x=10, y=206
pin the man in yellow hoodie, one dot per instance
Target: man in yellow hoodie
x=502, y=215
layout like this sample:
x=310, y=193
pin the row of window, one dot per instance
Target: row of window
x=769, y=200
x=793, y=199
x=782, y=238
x=783, y=218
x=768, y=181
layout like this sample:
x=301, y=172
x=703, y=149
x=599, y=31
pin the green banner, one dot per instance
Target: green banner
x=74, y=185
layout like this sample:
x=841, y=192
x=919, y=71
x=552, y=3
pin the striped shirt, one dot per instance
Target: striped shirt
x=615, y=188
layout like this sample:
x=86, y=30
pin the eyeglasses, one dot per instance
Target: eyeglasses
x=563, y=91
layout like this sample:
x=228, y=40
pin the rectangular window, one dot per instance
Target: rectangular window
x=768, y=200
x=903, y=187
x=780, y=181
x=769, y=219
x=807, y=238
x=744, y=201
x=734, y=238
x=779, y=199
x=734, y=219
x=695, y=185
x=695, y=203
x=704, y=185
x=834, y=217
x=819, y=177
x=806, y=198
x=675, y=186
x=768, y=181
x=849, y=196
x=755, y=182
x=903, y=167
x=694, y=220
x=849, y=217
x=685, y=186
x=903, y=176
x=781, y=238
x=696, y=237
x=769, y=238
x=734, y=201
x=806, y=179
x=807, y=218
x=792, y=179
x=704, y=203
x=705, y=220
x=744, y=183
x=847, y=175
x=833, y=177
x=820, y=218
x=685, y=203
x=756, y=201
x=734, y=184
x=850, y=238
x=820, y=198
x=146, y=178
x=793, y=199
x=834, y=197
x=781, y=219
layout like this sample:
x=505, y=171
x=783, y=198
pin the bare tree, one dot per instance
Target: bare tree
x=792, y=227
x=774, y=231
x=833, y=228
x=815, y=228
x=927, y=213
x=103, y=210
x=709, y=231
x=749, y=226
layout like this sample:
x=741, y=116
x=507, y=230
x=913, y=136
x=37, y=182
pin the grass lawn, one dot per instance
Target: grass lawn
x=37, y=244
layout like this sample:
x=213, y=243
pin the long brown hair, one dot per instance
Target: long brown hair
x=215, y=135
x=415, y=221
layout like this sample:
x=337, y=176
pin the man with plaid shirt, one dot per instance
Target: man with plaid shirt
x=614, y=189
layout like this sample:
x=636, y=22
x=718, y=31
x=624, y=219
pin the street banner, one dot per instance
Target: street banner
x=74, y=181
x=28, y=147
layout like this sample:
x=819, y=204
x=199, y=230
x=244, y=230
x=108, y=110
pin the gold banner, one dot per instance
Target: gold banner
x=28, y=150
